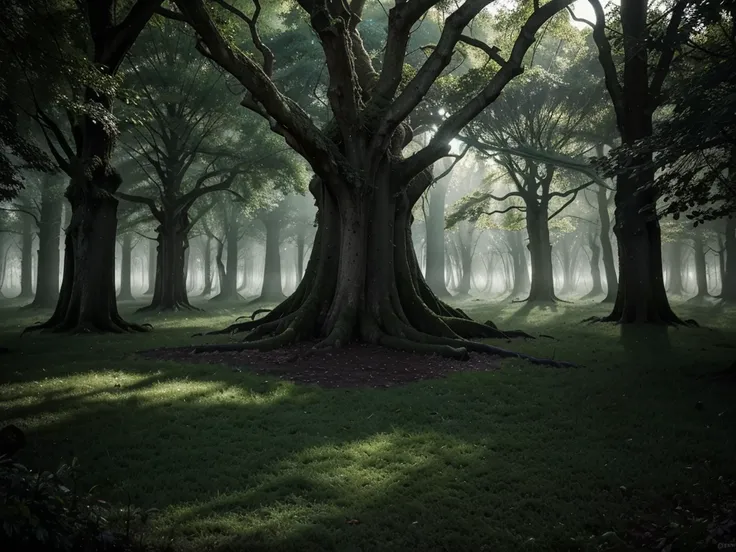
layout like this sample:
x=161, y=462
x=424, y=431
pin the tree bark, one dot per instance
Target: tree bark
x=229, y=272
x=126, y=262
x=49, y=235
x=609, y=262
x=465, y=250
x=641, y=294
x=300, y=245
x=272, y=290
x=520, y=273
x=207, y=267
x=152, y=255
x=170, y=290
x=595, y=267
x=542, y=287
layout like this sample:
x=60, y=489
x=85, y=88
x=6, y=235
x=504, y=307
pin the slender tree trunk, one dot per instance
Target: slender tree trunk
x=4, y=253
x=207, y=267
x=701, y=271
x=126, y=261
x=465, y=252
x=229, y=271
x=49, y=235
x=540, y=248
x=300, y=244
x=595, y=268
x=26, y=258
x=675, y=280
x=272, y=290
x=435, y=231
x=568, y=256
x=520, y=273
x=245, y=281
x=609, y=261
x=152, y=255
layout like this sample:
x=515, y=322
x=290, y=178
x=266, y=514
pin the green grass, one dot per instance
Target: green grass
x=522, y=458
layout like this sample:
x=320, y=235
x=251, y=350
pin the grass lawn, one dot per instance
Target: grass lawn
x=523, y=458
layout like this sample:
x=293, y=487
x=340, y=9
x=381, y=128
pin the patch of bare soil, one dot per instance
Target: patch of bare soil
x=355, y=365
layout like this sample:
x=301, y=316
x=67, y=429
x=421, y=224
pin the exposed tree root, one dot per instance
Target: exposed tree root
x=114, y=325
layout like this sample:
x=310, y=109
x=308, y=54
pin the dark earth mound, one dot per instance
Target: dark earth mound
x=355, y=365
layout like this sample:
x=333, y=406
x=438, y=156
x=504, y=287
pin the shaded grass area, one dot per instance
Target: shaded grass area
x=522, y=458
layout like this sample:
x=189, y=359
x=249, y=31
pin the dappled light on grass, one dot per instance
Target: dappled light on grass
x=236, y=461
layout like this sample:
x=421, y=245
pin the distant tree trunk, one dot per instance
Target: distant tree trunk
x=244, y=255
x=595, y=268
x=170, y=293
x=609, y=261
x=4, y=252
x=675, y=281
x=542, y=285
x=435, y=231
x=568, y=256
x=49, y=235
x=207, y=266
x=465, y=233
x=300, y=245
x=701, y=272
x=229, y=271
x=126, y=261
x=26, y=258
x=520, y=272
x=152, y=244
x=272, y=289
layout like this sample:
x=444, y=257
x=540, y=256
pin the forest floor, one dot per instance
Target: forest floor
x=635, y=448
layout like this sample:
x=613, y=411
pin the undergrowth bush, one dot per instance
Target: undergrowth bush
x=46, y=511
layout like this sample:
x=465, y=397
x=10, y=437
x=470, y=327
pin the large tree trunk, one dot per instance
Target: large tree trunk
x=272, y=290
x=595, y=267
x=363, y=283
x=170, y=291
x=675, y=280
x=126, y=262
x=26, y=258
x=49, y=234
x=152, y=254
x=229, y=272
x=641, y=295
x=435, y=230
x=728, y=288
x=542, y=284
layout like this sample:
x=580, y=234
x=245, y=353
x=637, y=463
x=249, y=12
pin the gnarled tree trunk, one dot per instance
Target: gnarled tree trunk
x=170, y=291
x=228, y=272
